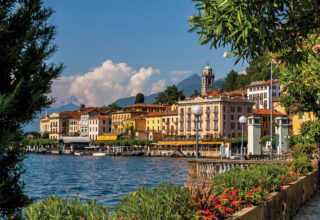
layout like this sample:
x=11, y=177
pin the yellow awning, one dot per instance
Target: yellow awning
x=107, y=137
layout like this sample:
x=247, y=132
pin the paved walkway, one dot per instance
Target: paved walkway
x=310, y=210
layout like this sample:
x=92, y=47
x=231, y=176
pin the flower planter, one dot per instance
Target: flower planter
x=284, y=203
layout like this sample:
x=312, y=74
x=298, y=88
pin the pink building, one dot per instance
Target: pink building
x=98, y=124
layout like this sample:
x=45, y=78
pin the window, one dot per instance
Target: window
x=232, y=109
x=215, y=108
x=232, y=125
x=233, y=135
x=239, y=109
x=224, y=108
x=232, y=117
x=249, y=110
x=224, y=117
x=215, y=125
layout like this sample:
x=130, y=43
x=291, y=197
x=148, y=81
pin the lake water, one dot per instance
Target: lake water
x=106, y=179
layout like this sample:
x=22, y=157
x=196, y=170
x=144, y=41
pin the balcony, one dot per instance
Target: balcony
x=207, y=119
x=215, y=118
x=207, y=128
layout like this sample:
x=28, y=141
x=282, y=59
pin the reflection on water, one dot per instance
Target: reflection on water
x=106, y=179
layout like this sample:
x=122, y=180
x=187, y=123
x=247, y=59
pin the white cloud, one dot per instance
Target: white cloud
x=180, y=72
x=158, y=86
x=243, y=72
x=105, y=84
x=175, y=79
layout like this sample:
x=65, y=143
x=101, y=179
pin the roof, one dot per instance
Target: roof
x=68, y=140
x=215, y=93
x=266, y=112
x=237, y=92
x=137, y=117
x=145, y=105
x=208, y=67
x=100, y=116
x=159, y=114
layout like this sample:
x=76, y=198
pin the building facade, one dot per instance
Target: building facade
x=45, y=125
x=260, y=93
x=170, y=123
x=84, y=120
x=97, y=125
x=220, y=117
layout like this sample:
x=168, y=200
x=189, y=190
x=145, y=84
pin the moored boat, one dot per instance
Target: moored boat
x=78, y=153
x=99, y=154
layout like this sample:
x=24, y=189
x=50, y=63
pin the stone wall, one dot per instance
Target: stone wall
x=284, y=203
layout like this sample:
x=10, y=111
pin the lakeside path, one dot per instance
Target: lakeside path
x=310, y=210
x=106, y=179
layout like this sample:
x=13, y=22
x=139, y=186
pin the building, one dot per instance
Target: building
x=295, y=119
x=45, y=125
x=207, y=83
x=264, y=115
x=260, y=92
x=74, y=125
x=220, y=117
x=84, y=119
x=136, y=127
x=145, y=108
x=154, y=125
x=59, y=124
x=97, y=125
x=170, y=123
x=118, y=117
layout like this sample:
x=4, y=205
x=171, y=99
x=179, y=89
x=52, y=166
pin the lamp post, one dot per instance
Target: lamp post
x=197, y=111
x=242, y=121
x=271, y=116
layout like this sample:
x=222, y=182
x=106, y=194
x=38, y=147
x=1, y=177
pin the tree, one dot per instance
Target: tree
x=195, y=93
x=114, y=107
x=288, y=31
x=139, y=98
x=230, y=83
x=26, y=78
x=82, y=106
x=169, y=96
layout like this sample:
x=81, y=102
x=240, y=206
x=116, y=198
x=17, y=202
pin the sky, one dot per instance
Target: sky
x=115, y=49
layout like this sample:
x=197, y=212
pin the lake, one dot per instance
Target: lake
x=106, y=179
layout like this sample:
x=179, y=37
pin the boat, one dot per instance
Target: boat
x=78, y=153
x=99, y=154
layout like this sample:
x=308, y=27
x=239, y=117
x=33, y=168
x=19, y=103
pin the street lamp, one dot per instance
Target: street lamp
x=197, y=111
x=242, y=121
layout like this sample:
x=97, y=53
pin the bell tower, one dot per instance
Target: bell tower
x=207, y=80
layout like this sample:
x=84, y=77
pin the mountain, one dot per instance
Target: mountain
x=188, y=86
x=35, y=124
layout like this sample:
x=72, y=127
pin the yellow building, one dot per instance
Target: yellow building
x=136, y=124
x=154, y=125
x=141, y=107
x=295, y=119
x=118, y=118
x=45, y=125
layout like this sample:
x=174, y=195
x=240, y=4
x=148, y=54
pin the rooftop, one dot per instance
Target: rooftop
x=141, y=105
x=266, y=112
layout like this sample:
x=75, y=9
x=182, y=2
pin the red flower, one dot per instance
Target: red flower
x=212, y=216
x=283, y=177
x=207, y=212
x=256, y=189
x=249, y=193
x=121, y=218
x=229, y=209
x=259, y=199
x=235, y=204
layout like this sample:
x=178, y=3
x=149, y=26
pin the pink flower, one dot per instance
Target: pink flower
x=317, y=102
x=315, y=48
x=256, y=189
x=249, y=194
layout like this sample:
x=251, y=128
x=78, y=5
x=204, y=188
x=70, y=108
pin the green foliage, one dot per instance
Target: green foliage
x=113, y=107
x=55, y=207
x=39, y=141
x=195, y=93
x=301, y=164
x=267, y=175
x=165, y=201
x=294, y=139
x=45, y=135
x=139, y=98
x=311, y=129
x=82, y=106
x=169, y=96
x=303, y=149
x=254, y=28
x=25, y=82
x=230, y=83
x=266, y=138
x=34, y=134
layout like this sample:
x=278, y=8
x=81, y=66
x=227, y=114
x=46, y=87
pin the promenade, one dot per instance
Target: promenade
x=310, y=210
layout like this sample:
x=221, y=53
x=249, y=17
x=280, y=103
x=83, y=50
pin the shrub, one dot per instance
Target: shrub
x=303, y=149
x=164, y=201
x=55, y=207
x=301, y=165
